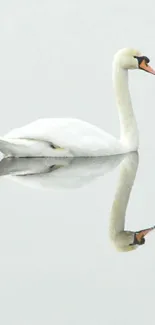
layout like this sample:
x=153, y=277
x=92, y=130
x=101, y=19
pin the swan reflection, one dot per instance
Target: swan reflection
x=57, y=173
x=71, y=173
x=122, y=239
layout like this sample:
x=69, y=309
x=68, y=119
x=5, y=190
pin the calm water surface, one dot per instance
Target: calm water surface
x=57, y=263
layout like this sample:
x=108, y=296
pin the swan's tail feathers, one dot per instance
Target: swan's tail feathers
x=7, y=147
x=30, y=148
x=25, y=148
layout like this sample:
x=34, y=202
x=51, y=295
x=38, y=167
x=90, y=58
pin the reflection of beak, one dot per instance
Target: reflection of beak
x=144, y=66
x=142, y=233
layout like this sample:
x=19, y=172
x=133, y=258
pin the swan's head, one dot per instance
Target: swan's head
x=132, y=59
x=128, y=241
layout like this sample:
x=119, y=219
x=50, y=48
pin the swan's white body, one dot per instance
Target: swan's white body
x=76, y=137
x=66, y=137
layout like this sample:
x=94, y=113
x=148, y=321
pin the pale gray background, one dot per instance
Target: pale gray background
x=57, y=265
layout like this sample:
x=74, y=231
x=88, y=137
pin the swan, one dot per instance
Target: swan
x=124, y=240
x=68, y=137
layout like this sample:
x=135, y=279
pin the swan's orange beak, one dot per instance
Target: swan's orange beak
x=141, y=234
x=144, y=66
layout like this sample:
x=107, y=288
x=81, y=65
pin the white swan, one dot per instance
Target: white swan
x=125, y=240
x=66, y=137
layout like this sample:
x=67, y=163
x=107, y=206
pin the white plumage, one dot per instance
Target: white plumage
x=76, y=137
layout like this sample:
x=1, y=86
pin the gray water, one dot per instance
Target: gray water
x=57, y=264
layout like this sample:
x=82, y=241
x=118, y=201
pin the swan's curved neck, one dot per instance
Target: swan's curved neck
x=128, y=125
x=128, y=171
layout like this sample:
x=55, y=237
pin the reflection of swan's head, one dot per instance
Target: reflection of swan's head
x=132, y=59
x=127, y=240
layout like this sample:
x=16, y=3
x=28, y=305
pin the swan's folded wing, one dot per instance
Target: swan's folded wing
x=79, y=137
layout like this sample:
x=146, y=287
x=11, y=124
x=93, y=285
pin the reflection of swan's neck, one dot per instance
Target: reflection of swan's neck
x=128, y=125
x=128, y=171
